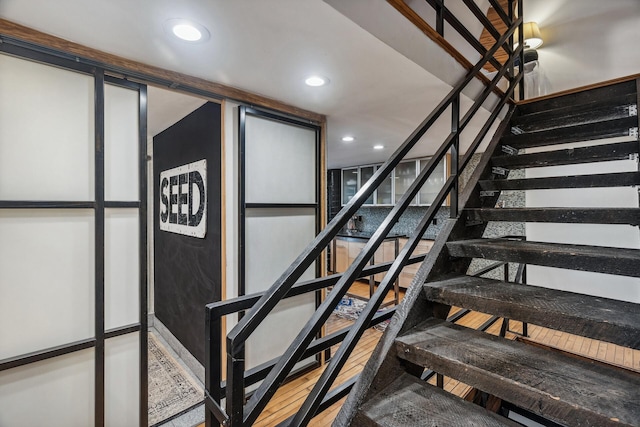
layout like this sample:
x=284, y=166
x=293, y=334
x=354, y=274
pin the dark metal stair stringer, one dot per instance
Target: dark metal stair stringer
x=383, y=366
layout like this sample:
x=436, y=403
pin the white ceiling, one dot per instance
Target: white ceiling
x=268, y=47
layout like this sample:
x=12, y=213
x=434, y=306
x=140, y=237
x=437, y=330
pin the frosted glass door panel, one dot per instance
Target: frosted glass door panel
x=277, y=331
x=434, y=183
x=273, y=239
x=405, y=174
x=365, y=174
x=349, y=184
x=292, y=149
x=46, y=132
x=122, y=380
x=122, y=265
x=46, y=279
x=121, y=143
x=56, y=392
x=384, y=194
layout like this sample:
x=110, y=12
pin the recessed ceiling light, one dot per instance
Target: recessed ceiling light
x=316, y=81
x=378, y=147
x=348, y=138
x=186, y=30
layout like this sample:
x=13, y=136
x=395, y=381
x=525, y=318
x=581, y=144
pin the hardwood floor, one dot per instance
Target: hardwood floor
x=289, y=398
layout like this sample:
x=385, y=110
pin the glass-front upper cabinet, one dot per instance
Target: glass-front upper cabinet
x=366, y=172
x=349, y=184
x=405, y=174
x=384, y=193
x=434, y=183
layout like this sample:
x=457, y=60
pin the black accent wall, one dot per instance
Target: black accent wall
x=188, y=269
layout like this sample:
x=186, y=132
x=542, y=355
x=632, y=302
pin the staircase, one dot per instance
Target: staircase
x=553, y=387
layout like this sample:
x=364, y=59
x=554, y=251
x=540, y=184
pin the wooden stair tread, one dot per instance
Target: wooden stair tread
x=601, y=110
x=620, y=179
x=600, y=259
x=603, y=319
x=585, y=132
x=566, y=390
x=577, y=99
x=408, y=402
x=629, y=216
x=597, y=153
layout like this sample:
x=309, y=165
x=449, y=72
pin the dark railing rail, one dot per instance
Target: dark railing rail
x=274, y=373
x=215, y=312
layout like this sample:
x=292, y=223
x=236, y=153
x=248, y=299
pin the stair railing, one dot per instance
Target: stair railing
x=237, y=413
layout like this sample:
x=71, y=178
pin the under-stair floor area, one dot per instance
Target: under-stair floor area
x=290, y=397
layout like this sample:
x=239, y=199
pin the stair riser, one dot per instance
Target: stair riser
x=599, y=153
x=567, y=260
x=624, y=179
x=588, y=132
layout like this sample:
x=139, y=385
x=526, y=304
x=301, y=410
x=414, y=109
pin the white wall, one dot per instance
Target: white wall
x=621, y=236
x=586, y=41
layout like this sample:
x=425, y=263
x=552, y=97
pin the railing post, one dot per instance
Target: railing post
x=235, y=386
x=213, y=362
x=455, y=154
x=439, y=6
x=521, y=43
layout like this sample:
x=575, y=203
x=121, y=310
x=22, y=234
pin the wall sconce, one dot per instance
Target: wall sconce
x=532, y=36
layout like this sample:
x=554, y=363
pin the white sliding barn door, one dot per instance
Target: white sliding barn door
x=70, y=245
x=281, y=217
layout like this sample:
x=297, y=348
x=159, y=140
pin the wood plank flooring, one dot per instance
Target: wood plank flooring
x=288, y=399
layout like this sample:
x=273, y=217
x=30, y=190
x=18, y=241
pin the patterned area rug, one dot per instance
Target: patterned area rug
x=171, y=389
x=350, y=308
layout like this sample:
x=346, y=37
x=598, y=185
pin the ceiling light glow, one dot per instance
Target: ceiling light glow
x=187, y=32
x=378, y=147
x=316, y=81
x=348, y=138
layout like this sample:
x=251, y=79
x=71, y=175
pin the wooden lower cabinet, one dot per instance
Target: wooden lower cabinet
x=385, y=253
x=341, y=258
x=407, y=274
x=346, y=251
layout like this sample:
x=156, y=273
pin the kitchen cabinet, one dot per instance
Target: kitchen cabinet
x=349, y=184
x=384, y=193
x=397, y=183
x=404, y=175
x=341, y=256
x=385, y=253
x=434, y=183
x=366, y=172
x=408, y=273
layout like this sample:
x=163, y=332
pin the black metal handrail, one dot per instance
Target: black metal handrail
x=237, y=414
x=216, y=388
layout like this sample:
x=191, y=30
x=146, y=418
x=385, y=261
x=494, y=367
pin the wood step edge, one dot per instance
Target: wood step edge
x=537, y=380
x=410, y=402
x=567, y=156
x=607, y=216
x=598, y=318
